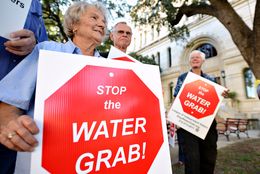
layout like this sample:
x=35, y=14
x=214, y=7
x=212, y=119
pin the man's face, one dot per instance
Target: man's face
x=196, y=60
x=121, y=36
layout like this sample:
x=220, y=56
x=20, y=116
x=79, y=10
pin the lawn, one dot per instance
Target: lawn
x=239, y=158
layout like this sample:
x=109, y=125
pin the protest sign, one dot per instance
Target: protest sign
x=196, y=105
x=171, y=134
x=117, y=54
x=99, y=116
x=13, y=14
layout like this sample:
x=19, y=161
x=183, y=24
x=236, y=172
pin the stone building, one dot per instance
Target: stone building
x=224, y=60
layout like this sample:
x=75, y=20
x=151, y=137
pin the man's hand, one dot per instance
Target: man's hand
x=23, y=43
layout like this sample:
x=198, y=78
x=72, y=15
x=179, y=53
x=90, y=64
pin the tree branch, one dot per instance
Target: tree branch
x=192, y=10
x=241, y=34
x=256, y=41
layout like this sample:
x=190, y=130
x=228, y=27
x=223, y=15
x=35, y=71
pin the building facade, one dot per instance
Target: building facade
x=224, y=60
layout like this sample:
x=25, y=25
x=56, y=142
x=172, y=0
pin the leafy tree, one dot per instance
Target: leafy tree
x=105, y=46
x=53, y=18
x=170, y=12
x=143, y=59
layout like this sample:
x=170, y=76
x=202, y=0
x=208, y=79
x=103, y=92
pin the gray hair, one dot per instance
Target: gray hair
x=122, y=22
x=202, y=55
x=75, y=11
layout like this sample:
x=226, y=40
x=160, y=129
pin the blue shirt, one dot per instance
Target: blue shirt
x=182, y=77
x=18, y=87
x=35, y=23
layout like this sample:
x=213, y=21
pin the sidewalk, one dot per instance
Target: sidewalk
x=222, y=142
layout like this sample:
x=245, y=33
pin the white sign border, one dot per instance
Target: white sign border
x=176, y=110
x=48, y=71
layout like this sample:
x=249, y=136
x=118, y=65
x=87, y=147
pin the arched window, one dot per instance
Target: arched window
x=158, y=58
x=152, y=32
x=153, y=57
x=145, y=37
x=141, y=40
x=170, y=56
x=208, y=49
x=249, y=83
x=171, y=86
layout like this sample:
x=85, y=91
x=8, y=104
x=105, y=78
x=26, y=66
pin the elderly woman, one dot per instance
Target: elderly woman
x=85, y=25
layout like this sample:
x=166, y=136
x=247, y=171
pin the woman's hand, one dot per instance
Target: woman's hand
x=19, y=133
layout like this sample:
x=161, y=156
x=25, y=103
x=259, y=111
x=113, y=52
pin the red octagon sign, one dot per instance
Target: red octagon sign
x=123, y=58
x=103, y=120
x=199, y=99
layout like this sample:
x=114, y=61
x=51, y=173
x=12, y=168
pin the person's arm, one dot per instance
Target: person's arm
x=176, y=91
x=16, y=130
x=178, y=86
x=17, y=89
x=18, y=86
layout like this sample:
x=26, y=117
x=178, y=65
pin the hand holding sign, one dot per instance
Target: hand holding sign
x=12, y=16
x=22, y=44
x=18, y=133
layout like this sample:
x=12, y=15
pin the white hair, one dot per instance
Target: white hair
x=121, y=22
x=74, y=12
x=202, y=55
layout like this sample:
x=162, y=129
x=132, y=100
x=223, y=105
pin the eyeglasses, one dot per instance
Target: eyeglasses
x=128, y=33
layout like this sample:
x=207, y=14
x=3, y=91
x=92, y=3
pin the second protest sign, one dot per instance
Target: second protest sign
x=196, y=105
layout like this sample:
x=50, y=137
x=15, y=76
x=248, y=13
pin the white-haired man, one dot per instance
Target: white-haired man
x=121, y=35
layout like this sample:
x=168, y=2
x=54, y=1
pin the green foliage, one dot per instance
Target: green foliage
x=175, y=14
x=53, y=18
x=242, y=157
x=143, y=59
x=238, y=158
x=233, y=96
x=160, y=13
x=105, y=46
x=166, y=13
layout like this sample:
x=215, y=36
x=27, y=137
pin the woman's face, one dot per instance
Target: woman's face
x=92, y=26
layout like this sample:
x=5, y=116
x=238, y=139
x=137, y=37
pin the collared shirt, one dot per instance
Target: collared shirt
x=18, y=87
x=35, y=23
x=182, y=77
